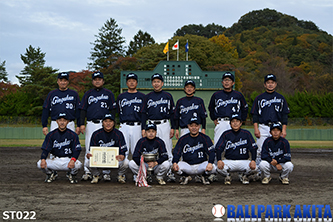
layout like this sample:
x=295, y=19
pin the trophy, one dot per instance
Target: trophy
x=150, y=157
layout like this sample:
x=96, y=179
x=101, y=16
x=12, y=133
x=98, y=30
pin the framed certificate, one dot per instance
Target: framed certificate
x=104, y=157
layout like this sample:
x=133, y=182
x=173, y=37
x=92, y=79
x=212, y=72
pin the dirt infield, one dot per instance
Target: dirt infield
x=23, y=189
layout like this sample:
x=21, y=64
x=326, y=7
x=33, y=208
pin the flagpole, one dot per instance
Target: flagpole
x=178, y=50
x=187, y=51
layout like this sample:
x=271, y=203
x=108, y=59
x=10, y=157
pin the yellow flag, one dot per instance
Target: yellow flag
x=166, y=48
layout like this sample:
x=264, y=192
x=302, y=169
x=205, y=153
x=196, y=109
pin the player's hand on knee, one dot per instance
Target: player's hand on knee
x=278, y=167
x=120, y=157
x=274, y=162
x=220, y=164
x=45, y=131
x=43, y=164
x=71, y=164
x=209, y=167
x=252, y=165
x=175, y=167
x=89, y=155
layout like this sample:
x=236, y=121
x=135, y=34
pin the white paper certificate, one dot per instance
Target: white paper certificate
x=104, y=157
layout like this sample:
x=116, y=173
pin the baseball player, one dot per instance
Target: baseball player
x=151, y=145
x=129, y=107
x=108, y=136
x=194, y=148
x=94, y=105
x=61, y=100
x=159, y=109
x=65, y=146
x=267, y=108
x=187, y=107
x=222, y=105
x=276, y=156
x=237, y=144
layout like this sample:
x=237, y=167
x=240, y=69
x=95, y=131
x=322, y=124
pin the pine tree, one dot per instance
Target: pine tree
x=3, y=72
x=139, y=40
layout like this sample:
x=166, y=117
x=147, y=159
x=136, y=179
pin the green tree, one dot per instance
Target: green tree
x=3, y=72
x=108, y=46
x=139, y=40
x=207, y=31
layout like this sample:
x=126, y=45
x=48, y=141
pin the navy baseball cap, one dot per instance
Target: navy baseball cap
x=131, y=76
x=235, y=116
x=190, y=81
x=276, y=125
x=270, y=76
x=228, y=75
x=194, y=120
x=157, y=76
x=62, y=115
x=63, y=75
x=151, y=126
x=97, y=74
x=108, y=116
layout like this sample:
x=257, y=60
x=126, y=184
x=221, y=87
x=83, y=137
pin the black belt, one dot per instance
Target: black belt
x=156, y=122
x=132, y=123
x=223, y=118
x=96, y=120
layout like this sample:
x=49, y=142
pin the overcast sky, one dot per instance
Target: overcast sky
x=64, y=29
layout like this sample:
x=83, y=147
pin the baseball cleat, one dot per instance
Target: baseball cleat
x=71, y=177
x=212, y=178
x=161, y=181
x=245, y=179
x=266, y=180
x=255, y=177
x=227, y=180
x=197, y=179
x=86, y=176
x=95, y=179
x=51, y=177
x=185, y=180
x=122, y=179
x=171, y=178
x=107, y=177
x=284, y=181
x=205, y=180
x=149, y=179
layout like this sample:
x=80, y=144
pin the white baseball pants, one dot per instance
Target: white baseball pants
x=132, y=135
x=266, y=169
x=160, y=170
x=195, y=169
x=60, y=164
x=123, y=166
x=236, y=166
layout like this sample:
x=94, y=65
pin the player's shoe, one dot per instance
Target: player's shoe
x=51, y=177
x=149, y=179
x=134, y=178
x=227, y=180
x=95, y=179
x=212, y=178
x=107, y=177
x=185, y=180
x=245, y=179
x=86, y=176
x=266, y=180
x=71, y=177
x=171, y=178
x=197, y=179
x=121, y=179
x=284, y=181
x=161, y=181
x=205, y=180
x=255, y=177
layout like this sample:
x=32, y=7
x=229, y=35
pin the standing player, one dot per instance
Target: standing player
x=65, y=147
x=151, y=145
x=129, y=107
x=187, y=107
x=276, y=156
x=194, y=148
x=109, y=136
x=237, y=144
x=61, y=100
x=159, y=109
x=94, y=105
x=267, y=108
x=223, y=104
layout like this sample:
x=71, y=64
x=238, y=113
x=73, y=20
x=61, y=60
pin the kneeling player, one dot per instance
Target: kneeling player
x=276, y=156
x=237, y=143
x=151, y=145
x=108, y=136
x=194, y=147
x=65, y=146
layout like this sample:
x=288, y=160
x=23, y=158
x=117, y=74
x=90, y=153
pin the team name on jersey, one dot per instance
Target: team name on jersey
x=188, y=149
x=231, y=145
x=268, y=103
x=109, y=144
x=59, y=145
x=185, y=110
x=93, y=99
x=126, y=102
x=276, y=153
x=154, y=151
x=223, y=103
x=57, y=100
x=152, y=103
